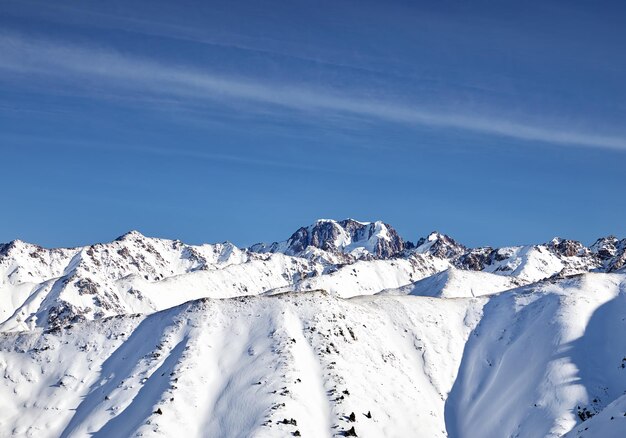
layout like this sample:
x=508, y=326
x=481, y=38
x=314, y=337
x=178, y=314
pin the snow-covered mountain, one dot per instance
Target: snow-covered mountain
x=611, y=252
x=456, y=283
x=440, y=245
x=133, y=274
x=137, y=274
x=340, y=241
x=147, y=336
x=534, y=262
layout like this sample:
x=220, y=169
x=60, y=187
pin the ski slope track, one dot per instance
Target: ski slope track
x=343, y=329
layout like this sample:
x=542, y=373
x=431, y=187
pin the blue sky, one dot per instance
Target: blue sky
x=495, y=122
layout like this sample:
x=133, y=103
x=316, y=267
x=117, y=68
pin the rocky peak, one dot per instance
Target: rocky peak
x=7, y=248
x=439, y=245
x=567, y=247
x=130, y=235
x=605, y=247
x=16, y=246
x=22, y=252
x=361, y=239
x=324, y=234
x=611, y=251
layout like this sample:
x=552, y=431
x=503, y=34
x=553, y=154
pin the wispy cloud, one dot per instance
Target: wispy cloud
x=113, y=70
x=115, y=22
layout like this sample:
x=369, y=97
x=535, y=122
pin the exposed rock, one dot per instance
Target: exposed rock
x=363, y=239
x=475, y=259
x=439, y=245
x=567, y=248
x=86, y=286
x=611, y=252
x=350, y=432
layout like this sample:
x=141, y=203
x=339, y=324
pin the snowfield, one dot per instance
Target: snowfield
x=238, y=367
x=344, y=329
x=541, y=357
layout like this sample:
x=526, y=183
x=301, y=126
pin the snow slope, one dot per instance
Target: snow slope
x=367, y=277
x=610, y=422
x=541, y=356
x=456, y=283
x=521, y=363
x=239, y=367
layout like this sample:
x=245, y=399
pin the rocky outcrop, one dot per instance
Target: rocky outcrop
x=476, y=259
x=611, y=252
x=440, y=245
x=567, y=248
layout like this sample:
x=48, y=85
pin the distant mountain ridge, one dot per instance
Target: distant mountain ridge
x=135, y=273
x=348, y=237
x=378, y=240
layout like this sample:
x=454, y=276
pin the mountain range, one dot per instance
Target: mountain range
x=343, y=328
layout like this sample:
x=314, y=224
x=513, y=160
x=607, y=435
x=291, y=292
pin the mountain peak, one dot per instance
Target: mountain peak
x=435, y=235
x=348, y=236
x=439, y=245
x=15, y=245
x=132, y=234
x=611, y=251
x=567, y=247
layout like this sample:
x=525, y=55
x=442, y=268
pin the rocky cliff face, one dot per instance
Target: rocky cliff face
x=568, y=248
x=440, y=245
x=611, y=253
x=347, y=237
